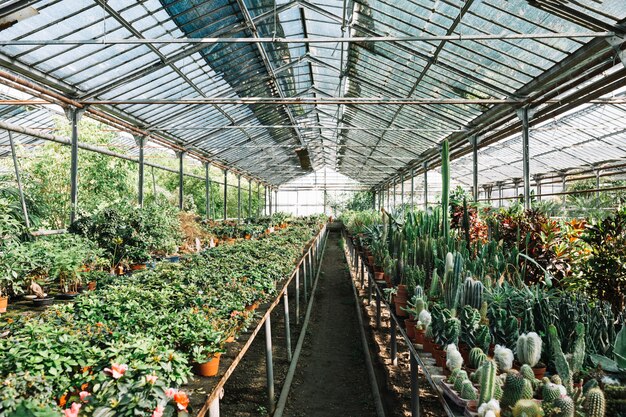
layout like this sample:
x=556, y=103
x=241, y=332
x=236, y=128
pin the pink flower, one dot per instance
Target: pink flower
x=116, y=370
x=73, y=410
x=83, y=395
x=158, y=412
x=170, y=392
x=151, y=379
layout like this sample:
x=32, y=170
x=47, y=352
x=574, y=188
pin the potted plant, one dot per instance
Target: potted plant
x=528, y=351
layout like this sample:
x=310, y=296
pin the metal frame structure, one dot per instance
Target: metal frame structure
x=369, y=90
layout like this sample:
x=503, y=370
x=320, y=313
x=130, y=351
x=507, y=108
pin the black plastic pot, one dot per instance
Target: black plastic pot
x=40, y=302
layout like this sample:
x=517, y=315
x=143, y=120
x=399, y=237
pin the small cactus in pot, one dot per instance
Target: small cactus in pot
x=503, y=357
x=528, y=350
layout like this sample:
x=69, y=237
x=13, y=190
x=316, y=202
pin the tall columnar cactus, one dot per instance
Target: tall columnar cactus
x=513, y=389
x=476, y=357
x=528, y=349
x=473, y=292
x=527, y=408
x=445, y=188
x=452, y=283
x=595, y=404
x=487, y=382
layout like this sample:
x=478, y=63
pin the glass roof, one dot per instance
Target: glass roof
x=370, y=143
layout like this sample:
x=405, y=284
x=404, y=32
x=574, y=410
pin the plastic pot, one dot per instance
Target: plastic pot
x=209, y=368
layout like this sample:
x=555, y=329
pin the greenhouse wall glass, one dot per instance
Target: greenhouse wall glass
x=313, y=208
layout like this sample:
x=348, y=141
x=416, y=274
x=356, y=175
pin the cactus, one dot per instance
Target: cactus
x=503, y=357
x=473, y=293
x=483, y=338
x=513, y=389
x=487, y=381
x=452, y=282
x=527, y=372
x=476, y=357
x=556, y=379
x=419, y=293
x=452, y=331
x=551, y=392
x=594, y=404
x=454, y=360
x=528, y=349
x=420, y=305
x=470, y=317
x=445, y=188
x=577, y=357
x=454, y=374
x=498, y=391
x=505, y=328
x=528, y=391
x=467, y=391
x=458, y=382
x=563, y=407
x=562, y=366
x=527, y=408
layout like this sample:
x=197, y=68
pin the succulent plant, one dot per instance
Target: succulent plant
x=453, y=375
x=489, y=409
x=513, y=389
x=551, y=391
x=483, y=338
x=595, y=404
x=505, y=328
x=527, y=408
x=467, y=391
x=528, y=349
x=503, y=357
x=470, y=318
x=473, y=293
x=452, y=331
x=563, y=407
x=454, y=360
x=487, y=381
x=458, y=381
x=476, y=357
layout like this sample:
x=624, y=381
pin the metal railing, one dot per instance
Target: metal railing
x=360, y=269
x=309, y=265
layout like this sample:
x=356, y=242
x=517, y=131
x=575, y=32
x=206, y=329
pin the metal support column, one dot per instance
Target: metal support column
x=74, y=115
x=524, y=114
x=401, y=190
x=373, y=199
x=499, y=184
x=388, y=206
x=269, y=365
x=181, y=177
x=412, y=190
x=394, y=195
x=563, y=187
x=298, y=295
x=269, y=192
x=287, y=329
x=19, y=180
x=141, y=142
x=276, y=200
x=265, y=200
x=249, y=199
x=305, y=285
x=207, y=190
x=597, y=182
x=425, y=165
x=538, y=182
x=238, y=198
x=258, y=199
x=225, y=214
x=474, y=141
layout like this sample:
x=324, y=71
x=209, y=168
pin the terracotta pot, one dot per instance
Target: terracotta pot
x=400, y=304
x=138, y=267
x=410, y=328
x=230, y=339
x=91, y=285
x=370, y=261
x=472, y=405
x=428, y=345
x=209, y=368
x=248, y=237
x=379, y=276
x=403, y=292
x=420, y=337
x=253, y=306
x=4, y=302
x=440, y=356
x=539, y=371
x=387, y=279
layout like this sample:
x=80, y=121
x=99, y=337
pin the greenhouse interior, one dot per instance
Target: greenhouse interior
x=319, y=208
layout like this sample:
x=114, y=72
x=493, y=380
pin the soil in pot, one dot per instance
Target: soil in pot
x=209, y=368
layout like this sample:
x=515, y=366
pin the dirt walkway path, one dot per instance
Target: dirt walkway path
x=331, y=379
